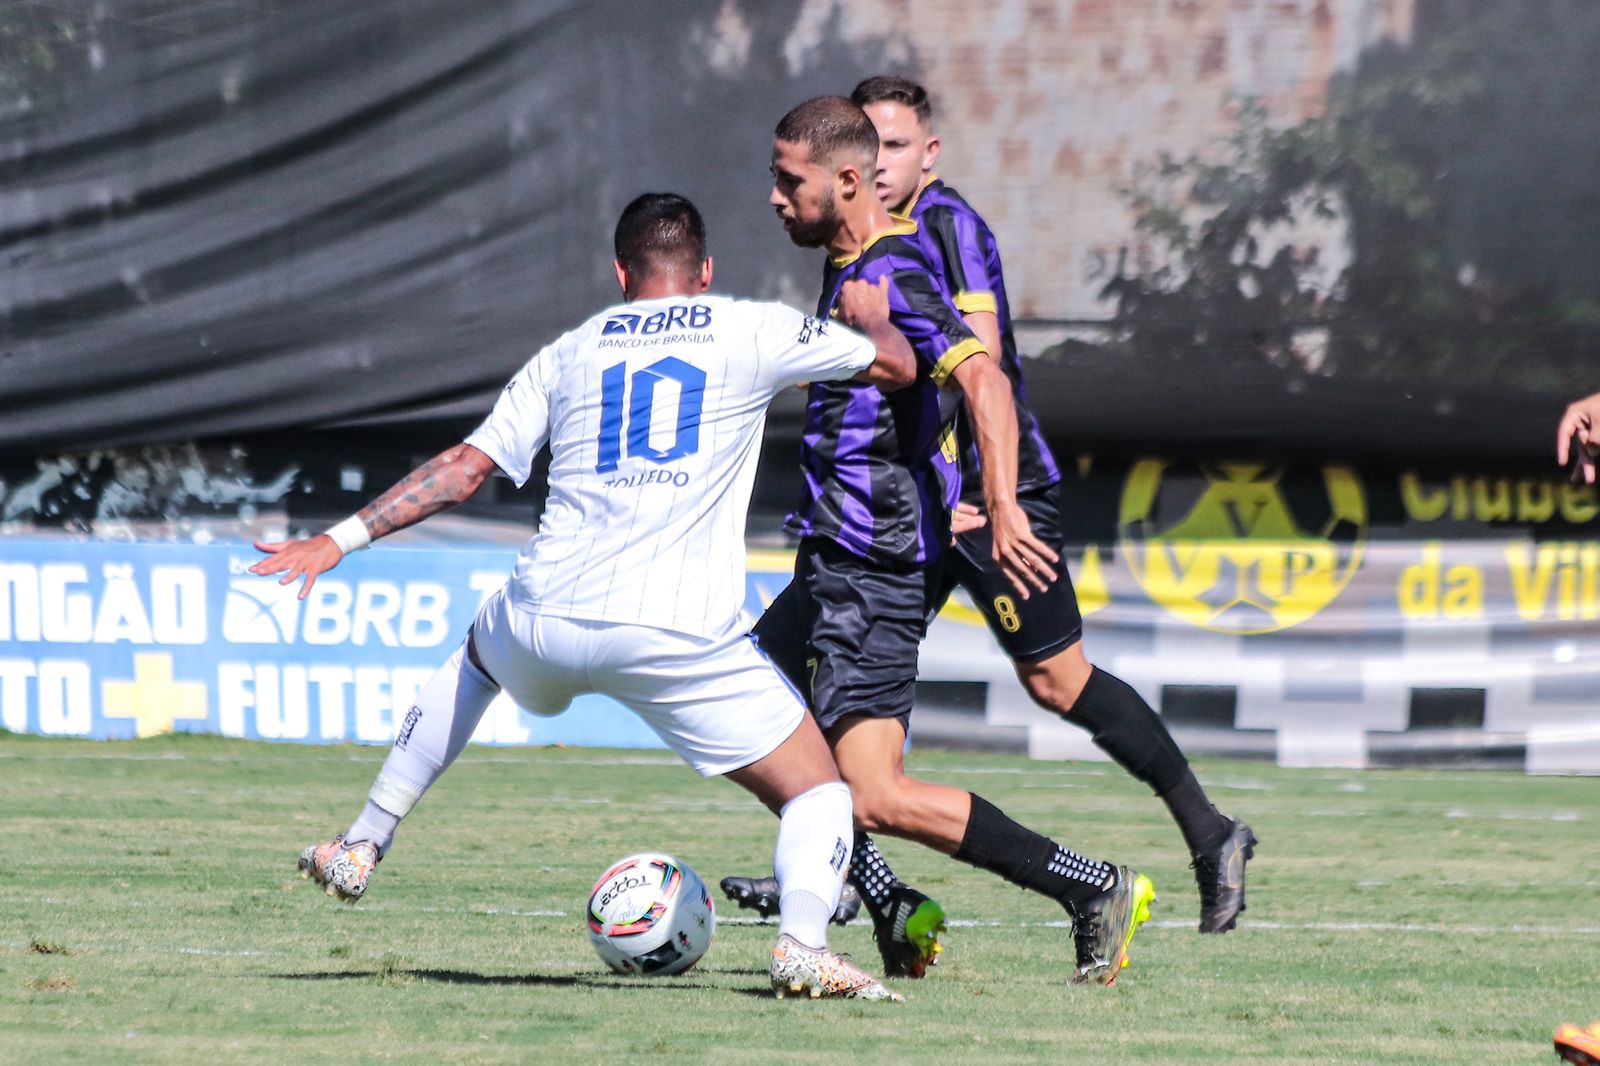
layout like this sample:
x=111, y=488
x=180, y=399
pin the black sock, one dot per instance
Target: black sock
x=1202, y=824
x=995, y=843
x=1129, y=730
x=870, y=873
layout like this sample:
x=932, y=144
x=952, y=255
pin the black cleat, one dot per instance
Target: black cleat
x=908, y=934
x=1220, y=875
x=760, y=894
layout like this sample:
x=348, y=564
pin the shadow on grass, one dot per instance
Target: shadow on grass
x=468, y=977
x=764, y=992
x=451, y=977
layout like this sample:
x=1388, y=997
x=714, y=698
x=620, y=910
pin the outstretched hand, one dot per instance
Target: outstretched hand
x=1022, y=557
x=308, y=557
x=1580, y=423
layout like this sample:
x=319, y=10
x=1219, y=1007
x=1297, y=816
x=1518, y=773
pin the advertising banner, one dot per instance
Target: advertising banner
x=1325, y=614
x=1311, y=613
x=132, y=640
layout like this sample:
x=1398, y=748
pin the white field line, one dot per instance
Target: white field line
x=1515, y=816
x=495, y=910
x=1452, y=813
x=369, y=752
x=1061, y=923
x=1011, y=771
x=95, y=947
x=1279, y=927
x=309, y=753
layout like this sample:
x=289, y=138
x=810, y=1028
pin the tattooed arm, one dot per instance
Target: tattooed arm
x=442, y=482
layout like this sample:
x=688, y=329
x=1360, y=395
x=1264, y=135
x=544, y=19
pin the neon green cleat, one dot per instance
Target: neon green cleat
x=908, y=934
x=1103, y=928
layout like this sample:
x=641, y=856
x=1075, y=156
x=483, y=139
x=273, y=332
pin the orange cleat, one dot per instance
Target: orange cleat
x=341, y=868
x=821, y=974
x=1579, y=1046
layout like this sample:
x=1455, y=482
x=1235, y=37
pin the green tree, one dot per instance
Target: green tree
x=1210, y=276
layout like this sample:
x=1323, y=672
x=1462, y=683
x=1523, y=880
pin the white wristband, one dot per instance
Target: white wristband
x=350, y=535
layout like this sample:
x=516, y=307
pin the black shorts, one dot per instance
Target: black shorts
x=846, y=633
x=1029, y=630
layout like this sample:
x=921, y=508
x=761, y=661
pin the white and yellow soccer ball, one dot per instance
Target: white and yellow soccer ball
x=651, y=915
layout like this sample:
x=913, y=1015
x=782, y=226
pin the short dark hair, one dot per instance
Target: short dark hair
x=660, y=230
x=828, y=125
x=894, y=88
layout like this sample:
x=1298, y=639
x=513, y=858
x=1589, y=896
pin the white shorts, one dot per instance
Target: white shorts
x=720, y=704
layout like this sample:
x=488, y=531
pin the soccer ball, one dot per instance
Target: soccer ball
x=650, y=915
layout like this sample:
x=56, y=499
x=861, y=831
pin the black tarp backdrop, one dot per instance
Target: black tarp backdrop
x=299, y=214
x=221, y=221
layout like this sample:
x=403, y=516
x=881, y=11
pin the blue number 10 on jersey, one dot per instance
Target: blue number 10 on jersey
x=641, y=408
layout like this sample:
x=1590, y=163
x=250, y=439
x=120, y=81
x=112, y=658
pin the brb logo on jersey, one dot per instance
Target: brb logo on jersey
x=1244, y=547
x=694, y=316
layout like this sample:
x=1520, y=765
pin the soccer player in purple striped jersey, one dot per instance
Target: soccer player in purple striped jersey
x=1043, y=633
x=873, y=523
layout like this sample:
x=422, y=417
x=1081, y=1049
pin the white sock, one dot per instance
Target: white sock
x=432, y=734
x=374, y=824
x=813, y=853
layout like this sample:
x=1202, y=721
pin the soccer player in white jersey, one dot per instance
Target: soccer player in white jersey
x=634, y=585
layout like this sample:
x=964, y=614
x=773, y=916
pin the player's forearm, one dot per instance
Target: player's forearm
x=895, y=366
x=447, y=479
x=993, y=414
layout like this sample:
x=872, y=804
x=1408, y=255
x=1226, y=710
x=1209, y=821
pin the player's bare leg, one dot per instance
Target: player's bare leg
x=1056, y=683
x=905, y=923
x=798, y=781
x=1108, y=903
x=798, y=765
x=1129, y=730
x=441, y=721
x=870, y=754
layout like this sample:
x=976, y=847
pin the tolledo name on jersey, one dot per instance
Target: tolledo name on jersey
x=132, y=647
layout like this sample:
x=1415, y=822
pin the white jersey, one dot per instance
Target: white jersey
x=654, y=411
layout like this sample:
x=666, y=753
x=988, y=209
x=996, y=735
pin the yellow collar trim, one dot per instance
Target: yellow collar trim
x=898, y=227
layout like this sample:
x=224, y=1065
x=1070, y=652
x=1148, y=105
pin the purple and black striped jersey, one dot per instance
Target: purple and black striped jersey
x=962, y=248
x=871, y=485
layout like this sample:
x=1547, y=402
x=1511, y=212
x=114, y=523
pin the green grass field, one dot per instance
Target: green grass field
x=150, y=912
